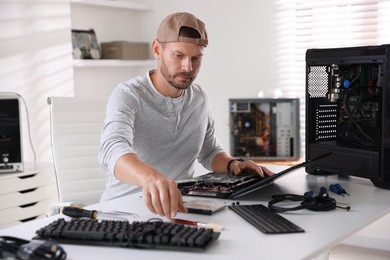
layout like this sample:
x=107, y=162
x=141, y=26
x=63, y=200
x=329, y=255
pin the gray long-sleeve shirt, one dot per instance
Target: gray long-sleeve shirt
x=169, y=134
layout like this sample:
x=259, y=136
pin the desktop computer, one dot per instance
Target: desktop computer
x=348, y=112
x=11, y=159
x=265, y=128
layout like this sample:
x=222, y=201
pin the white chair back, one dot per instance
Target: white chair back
x=76, y=124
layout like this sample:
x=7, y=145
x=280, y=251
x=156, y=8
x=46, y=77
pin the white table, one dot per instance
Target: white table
x=240, y=240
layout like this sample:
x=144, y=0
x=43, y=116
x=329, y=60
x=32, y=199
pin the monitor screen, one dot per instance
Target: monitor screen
x=10, y=138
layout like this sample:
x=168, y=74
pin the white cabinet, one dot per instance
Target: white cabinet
x=112, y=20
x=26, y=196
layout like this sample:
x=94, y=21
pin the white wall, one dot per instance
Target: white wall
x=36, y=62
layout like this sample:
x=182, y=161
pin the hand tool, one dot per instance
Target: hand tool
x=79, y=212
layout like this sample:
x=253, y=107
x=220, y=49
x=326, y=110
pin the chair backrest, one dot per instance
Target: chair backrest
x=75, y=127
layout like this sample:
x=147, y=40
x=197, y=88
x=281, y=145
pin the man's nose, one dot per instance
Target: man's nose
x=186, y=65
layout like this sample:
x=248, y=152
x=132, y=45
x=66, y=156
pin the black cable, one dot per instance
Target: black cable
x=17, y=248
x=351, y=116
x=321, y=202
x=10, y=245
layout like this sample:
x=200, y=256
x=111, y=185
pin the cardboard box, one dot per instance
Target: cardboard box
x=125, y=50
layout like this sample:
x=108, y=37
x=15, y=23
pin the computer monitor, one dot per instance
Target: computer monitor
x=348, y=112
x=11, y=159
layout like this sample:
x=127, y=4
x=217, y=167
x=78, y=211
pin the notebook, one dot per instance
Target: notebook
x=229, y=186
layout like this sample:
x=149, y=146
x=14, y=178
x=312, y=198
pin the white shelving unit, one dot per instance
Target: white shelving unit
x=112, y=20
x=118, y=4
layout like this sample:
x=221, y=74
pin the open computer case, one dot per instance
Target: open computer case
x=265, y=128
x=348, y=112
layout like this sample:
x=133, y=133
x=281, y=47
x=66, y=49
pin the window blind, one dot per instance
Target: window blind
x=306, y=24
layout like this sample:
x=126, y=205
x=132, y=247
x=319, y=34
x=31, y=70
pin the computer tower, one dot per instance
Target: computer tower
x=265, y=128
x=11, y=156
x=348, y=112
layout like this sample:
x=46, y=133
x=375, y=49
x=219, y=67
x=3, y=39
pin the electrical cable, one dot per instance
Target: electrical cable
x=321, y=202
x=352, y=120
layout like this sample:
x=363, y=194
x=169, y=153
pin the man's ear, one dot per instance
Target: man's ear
x=156, y=49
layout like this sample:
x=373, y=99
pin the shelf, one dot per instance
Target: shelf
x=115, y=4
x=113, y=63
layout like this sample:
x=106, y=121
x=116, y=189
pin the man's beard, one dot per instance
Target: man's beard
x=171, y=78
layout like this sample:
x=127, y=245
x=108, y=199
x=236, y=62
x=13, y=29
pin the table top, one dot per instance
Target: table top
x=323, y=230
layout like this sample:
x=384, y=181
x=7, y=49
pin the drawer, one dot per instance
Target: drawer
x=20, y=182
x=16, y=222
x=25, y=213
x=20, y=198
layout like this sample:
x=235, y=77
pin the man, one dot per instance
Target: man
x=158, y=125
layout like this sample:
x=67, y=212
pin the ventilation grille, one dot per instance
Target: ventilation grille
x=326, y=122
x=317, y=81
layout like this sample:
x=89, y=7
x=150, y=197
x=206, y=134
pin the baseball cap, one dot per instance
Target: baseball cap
x=169, y=29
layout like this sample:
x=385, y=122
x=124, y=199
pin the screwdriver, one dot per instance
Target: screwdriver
x=336, y=188
x=342, y=189
x=79, y=212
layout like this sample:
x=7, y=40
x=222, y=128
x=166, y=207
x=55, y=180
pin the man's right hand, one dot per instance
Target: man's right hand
x=162, y=197
x=161, y=194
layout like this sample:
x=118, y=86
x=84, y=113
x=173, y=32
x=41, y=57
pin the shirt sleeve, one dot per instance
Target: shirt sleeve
x=118, y=130
x=211, y=145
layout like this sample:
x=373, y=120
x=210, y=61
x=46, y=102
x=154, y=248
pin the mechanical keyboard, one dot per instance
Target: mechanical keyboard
x=265, y=220
x=152, y=234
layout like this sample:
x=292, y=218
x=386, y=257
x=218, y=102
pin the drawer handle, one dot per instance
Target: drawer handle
x=28, y=205
x=27, y=191
x=28, y=219
x=27, y=176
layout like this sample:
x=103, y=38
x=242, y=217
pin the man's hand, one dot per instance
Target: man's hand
x=162, y=197
x=236, y=167
x=161, y=194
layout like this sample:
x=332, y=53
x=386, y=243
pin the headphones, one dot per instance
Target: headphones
x=321, y=202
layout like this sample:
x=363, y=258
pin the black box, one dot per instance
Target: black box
x=348, y=112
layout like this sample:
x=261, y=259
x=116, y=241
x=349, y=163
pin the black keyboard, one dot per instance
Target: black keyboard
x=265, y=220
x=148, y=234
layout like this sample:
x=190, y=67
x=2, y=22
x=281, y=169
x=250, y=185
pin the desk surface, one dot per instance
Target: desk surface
x=240, y=240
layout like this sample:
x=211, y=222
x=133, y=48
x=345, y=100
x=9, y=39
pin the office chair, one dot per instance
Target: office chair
x=75, y=126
